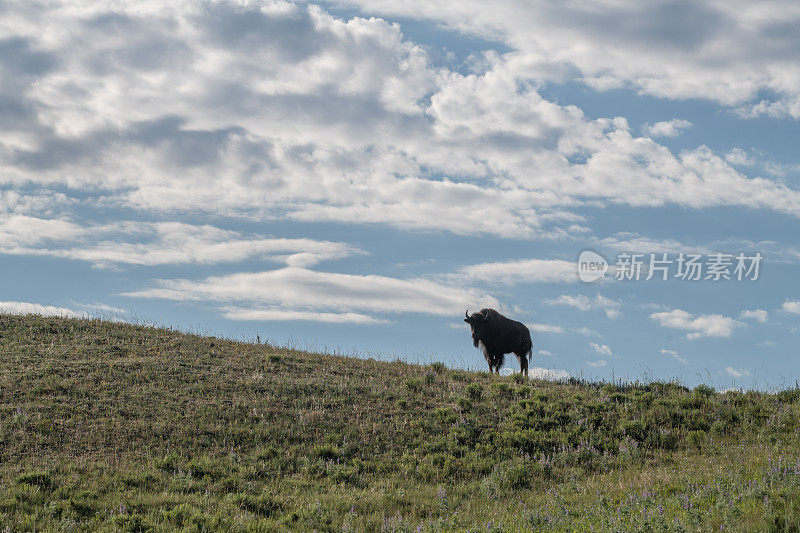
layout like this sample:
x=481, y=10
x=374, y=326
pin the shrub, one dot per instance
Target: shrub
x=619, y=397
x=265, y=504
x=133, y=523
x=37, y=478
x=635, y=429
x=704, y=390
x=341, y=474
x=459, y=376
x=501, y=390
x=475, y=391
x=789, y=395
x=325, y=452
x=438, y=367
x=696, y=439
x=445, y=415
x=509, y=476
x=413, y=384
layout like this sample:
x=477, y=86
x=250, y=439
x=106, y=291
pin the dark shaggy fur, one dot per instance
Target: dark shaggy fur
x=497, y=335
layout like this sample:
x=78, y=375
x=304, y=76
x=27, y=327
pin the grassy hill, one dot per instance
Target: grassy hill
x=119, y=427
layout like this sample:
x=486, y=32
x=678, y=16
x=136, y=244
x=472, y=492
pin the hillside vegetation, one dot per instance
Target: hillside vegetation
x=119, y=427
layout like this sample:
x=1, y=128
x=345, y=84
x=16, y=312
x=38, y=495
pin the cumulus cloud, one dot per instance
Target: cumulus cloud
x=584, y=303
x=301, y=290
x=597, y=364
x=671, y=128
x=737, y=156
x=735, y=53
x=737, y=372
x=278, y=110
x=601, y=349
x=228, y=106
x=791, y=306
x=712, y=325
x=759, y=315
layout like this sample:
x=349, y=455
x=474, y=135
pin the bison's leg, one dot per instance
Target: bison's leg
x=523, y=363
x=498, y=361
x=492, y=360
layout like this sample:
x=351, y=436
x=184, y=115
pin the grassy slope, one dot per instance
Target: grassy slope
x=119, y=427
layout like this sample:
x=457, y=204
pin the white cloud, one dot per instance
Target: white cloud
x=754, y=158
x=521, y=271
x=156, y=243
x=730, y=52
x=597, y=364
x=737, y=156
x=580, y=302
x=303, y=290
x=791, y=306
x=772, y=251
x=102, y=309
x=759, y=315
x=601, y=349
x=698, y=325
x=546, y=353
x=633, y=242
x=283, y=111
x=25, y=308
x=671, y=128
x=545, y=328
x=737, y=372
x=584, y=303
x=236, y=313
x=675, y=355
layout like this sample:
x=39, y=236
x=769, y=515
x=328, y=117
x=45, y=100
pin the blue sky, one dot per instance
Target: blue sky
x=353, y=176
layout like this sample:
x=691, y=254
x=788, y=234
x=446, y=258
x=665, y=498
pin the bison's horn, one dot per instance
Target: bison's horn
x=466, y=313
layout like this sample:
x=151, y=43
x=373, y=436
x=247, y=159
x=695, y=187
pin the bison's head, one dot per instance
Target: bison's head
x=479, y=325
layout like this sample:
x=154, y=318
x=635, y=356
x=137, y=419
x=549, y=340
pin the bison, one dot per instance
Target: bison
x=497, y=335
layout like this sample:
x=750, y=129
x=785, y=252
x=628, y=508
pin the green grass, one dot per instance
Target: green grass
x=115, y=427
